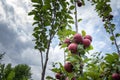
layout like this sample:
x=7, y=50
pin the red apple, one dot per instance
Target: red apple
x=67, y=41
x=88, y=37
x=86, y=43
x=73, y=78
x=77, y=38
x=68, y=67
x=73, y=47
x=79, y=4
x=58, y=76
x=116, y=76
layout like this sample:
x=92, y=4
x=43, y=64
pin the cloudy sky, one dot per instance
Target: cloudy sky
x=16, y=34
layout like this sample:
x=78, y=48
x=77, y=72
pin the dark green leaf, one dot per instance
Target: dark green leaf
x=71, y=21
x=117, y=35
x=35, y=23
x=49, y=78
x=35, y=1
x=112, y=38
x=72, y=7
x=79, y=20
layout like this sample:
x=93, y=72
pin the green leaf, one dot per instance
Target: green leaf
x=112, y=38
x=56, y=70
x=31, y=13
x=71, y=21
x=49, y=78
x=117, y=35
x=35, y=23
x=83, y=33
x=72, y=7
x=35, y=1
x=69, y=17
x=112, y=58
x=79, y=20
x=36, y=28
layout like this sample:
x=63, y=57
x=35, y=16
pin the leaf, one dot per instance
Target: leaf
x=69, y=17
x=61, y=67
x=31, y=13
x=71, y=21
x=72, y=7
x=36, y=28
x=89, y=48
x=49, y=77
x=79, y=20
x=35, y=1
x=112, y=38
x=83, y=33
x=117, y=35
x=112, y=58
x=35, y=23
x=55, y=70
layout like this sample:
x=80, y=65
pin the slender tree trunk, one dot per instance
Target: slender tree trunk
x=76, y=22
x=41, y=58
x=46, y=60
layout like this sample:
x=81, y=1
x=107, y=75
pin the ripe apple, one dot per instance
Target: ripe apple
x=68, y=67
x=58, y=76
x=79, y=4
x=73, y=47
x=67, y=41
x=77, y=38
x=86, y=43
x=88, y=37
x=116, y=76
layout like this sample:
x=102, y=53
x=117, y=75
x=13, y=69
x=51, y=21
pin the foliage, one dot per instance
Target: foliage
x=54, y=17
x=19, y=72
x=50, y=17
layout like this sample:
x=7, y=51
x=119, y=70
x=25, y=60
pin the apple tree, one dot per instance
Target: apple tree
x=54, y=17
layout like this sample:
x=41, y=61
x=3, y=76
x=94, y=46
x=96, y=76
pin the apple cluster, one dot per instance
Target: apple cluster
x=72, y=45
x=78, y=39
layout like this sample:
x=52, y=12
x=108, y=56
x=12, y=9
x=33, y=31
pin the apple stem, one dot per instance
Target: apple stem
x=76, y=22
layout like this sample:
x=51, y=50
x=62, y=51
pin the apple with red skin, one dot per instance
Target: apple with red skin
x=88, y=37
x=86, y=43
x=67, y=41
x=79, y=4
x=58, y=76
x=73, y=47
x=77, y=38
x=116, y=76
x=68, y=67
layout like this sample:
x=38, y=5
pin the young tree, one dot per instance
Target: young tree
x=19, y=72
x=54, y=17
